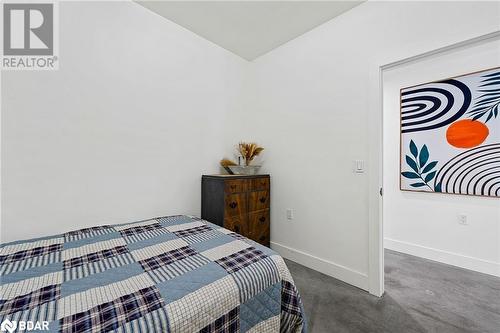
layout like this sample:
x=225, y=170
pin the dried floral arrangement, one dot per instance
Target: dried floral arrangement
x=249, y=150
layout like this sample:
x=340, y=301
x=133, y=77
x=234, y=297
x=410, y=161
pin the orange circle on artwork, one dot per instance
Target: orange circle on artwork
x=467, y=133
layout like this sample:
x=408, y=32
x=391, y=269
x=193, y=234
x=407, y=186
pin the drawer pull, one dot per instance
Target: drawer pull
x=262, y=219
x=233, y=187
x=233, y=205
x=263, y=199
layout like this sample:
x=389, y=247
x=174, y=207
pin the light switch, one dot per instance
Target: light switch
x=359, y=166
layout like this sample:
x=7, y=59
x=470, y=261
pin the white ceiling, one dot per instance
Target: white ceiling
x=249, y=28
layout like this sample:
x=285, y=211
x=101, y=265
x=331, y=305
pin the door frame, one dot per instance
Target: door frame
x=375, y=156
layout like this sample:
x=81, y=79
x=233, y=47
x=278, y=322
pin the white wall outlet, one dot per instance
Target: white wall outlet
x=289, y=214
x=462, y=219
x=359, y=166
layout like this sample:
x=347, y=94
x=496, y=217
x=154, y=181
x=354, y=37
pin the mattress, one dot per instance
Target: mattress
x=168, y=274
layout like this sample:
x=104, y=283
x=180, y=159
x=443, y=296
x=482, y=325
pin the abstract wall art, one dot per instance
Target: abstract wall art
x=450, y=135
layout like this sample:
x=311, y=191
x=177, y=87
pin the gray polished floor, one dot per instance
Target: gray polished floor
x=421, y=296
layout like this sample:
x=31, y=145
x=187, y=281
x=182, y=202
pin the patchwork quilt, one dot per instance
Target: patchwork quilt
x=168, y=274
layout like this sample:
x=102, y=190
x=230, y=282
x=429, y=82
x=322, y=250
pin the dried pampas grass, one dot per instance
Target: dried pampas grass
x=227, y=162
x=249, y=150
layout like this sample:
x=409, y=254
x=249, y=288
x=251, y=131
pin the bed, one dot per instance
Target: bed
x=167, y=274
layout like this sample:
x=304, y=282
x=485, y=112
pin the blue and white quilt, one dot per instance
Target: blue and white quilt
x=168, y=274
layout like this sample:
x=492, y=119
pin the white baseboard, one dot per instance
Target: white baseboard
x=450, y=258
x=337, y=271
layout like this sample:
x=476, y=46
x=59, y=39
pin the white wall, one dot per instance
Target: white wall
x=309, y=108
x=122, y=131
x=427, y=224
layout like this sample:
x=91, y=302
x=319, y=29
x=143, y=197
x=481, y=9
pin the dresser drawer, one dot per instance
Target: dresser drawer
x=259, y=184
x=237, y=223
x=235, y=204
x=258, y=200
x=259, y=226
x=236, y=186
x=240, y=203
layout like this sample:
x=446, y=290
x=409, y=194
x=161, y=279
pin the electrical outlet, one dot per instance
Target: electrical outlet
x=289, y=214
x=462, y=219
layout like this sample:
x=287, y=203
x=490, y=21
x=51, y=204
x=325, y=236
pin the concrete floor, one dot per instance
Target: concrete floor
x=421, y=296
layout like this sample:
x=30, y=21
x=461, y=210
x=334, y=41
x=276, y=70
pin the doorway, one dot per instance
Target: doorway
x=442, y=270
x=379, y=69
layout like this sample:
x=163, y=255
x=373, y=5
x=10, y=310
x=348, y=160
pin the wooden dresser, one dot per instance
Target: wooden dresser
x=238, y=203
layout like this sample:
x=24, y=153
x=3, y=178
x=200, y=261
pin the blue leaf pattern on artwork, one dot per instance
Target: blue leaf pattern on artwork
x=413, y=149
x=488, y=103
x=430, y=176
x=424, y=156
x=411, y=175
x=423, y=171
x=429, y=167
x=411, y=163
